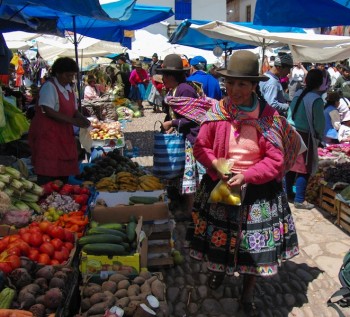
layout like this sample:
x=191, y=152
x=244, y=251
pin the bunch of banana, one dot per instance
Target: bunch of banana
x=126, y=181
x=149, y=182
x=106, y=184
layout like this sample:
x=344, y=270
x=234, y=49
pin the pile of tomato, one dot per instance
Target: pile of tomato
x=42, y=242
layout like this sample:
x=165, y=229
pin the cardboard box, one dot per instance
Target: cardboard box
x=118, y=203
x=130, y=264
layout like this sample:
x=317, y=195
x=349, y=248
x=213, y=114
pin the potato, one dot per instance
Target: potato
x=90, y=289
x=120, y=293
x=109, y=286
x=133, y=289
x=97, y=298
x=117, y=277
x=85, y=304
x=157, y=288
x=146, y=288
x=123, y=284
x=123, y=302
x=145, y=274
x=138, y=280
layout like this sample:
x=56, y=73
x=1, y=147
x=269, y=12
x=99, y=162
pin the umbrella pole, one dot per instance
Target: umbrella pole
x=77, y=61
x=263, y=57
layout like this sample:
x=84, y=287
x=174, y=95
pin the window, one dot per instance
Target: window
x=183, y=9
x=249, y=13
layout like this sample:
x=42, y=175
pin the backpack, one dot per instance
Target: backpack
x=342, y=296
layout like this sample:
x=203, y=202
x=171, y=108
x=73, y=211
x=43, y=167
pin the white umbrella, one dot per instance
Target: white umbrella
x=146, y=44
x=314, y=43
x=51, y=47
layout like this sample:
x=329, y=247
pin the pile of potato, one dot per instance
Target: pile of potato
x=128, y=294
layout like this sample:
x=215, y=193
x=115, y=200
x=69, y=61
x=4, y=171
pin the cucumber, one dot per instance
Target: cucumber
x=100, y=238
x=115, y=226
x=99, y=230
x=143, y=200
x=104, y=249
x=130, y=231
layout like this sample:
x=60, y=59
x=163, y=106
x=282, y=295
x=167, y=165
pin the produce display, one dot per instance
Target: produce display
x=145, y=292
x=23, y=193
x=105, y=130
x=110, y=239
x=126, y=181
x=37, y=290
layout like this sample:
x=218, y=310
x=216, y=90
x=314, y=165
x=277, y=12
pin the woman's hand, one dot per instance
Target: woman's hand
x=80, y=121
x=167, y=125
x=222, y=176
x=236, y=180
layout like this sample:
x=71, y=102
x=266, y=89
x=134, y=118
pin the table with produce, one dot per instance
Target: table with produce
x=47, y=233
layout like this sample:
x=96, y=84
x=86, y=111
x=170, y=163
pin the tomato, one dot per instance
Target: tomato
x=14, y=261
x=46, y=238
x=3, y=245
x=68, y=245
x=81, y=199
x=76, y=189
x=85, y=190
x=44, y=226
x=26, y=237
x=36, y=239
x=65, y=252
x=14, y=237
x=34, y=224
x=14, y=250
x=59, y=256
x=22, y=231
x=35, y=229
x=55, y=262
x=56, y=232
x=6, y=240
x=68, y=236
x=5, y=267
x=57, y=244
x=47, y=248
x=33, y=254
x=24, y=246
x=43, y=258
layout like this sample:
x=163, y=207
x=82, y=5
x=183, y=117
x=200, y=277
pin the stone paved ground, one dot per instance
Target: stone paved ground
x=303, y=285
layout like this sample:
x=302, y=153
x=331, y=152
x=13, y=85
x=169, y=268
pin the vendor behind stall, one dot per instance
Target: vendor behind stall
x=51, y=136
x=91, y=91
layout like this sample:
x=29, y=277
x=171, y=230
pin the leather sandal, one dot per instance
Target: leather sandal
x=215, y=279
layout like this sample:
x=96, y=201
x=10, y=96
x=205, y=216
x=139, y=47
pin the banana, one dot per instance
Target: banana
x=126, y=174
x=149, y=177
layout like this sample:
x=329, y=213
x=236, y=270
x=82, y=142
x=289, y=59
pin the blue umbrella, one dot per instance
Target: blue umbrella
x=302, y=13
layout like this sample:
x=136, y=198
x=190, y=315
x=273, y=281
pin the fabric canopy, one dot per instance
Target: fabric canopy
x=302, y=13
x=140, y=47
x=186, y=35
x=305, y=47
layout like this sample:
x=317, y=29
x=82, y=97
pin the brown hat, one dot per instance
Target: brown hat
x=138, y=64
x=172, y=63
x=243, y=65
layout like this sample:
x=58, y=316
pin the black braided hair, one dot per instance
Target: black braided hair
x=313, y=80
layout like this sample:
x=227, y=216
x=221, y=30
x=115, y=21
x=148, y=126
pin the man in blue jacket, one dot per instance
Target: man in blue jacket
x=210, y=84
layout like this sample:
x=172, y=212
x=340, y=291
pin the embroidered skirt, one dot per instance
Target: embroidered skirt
x=193, y=172
x=252, y=238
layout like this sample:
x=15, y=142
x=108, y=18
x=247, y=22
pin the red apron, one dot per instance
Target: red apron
x=52, y=143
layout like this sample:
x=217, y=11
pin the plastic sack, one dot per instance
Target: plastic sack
x=222, y=193
x=85, y=138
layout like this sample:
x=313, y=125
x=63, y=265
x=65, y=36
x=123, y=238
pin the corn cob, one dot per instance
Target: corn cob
x=28, y=185
x=15, y=183
x=20, y=205
x=5, y=178
x=12, y=172
x=37, y=190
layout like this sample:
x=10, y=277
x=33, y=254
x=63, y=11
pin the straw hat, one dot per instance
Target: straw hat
x=243, y=65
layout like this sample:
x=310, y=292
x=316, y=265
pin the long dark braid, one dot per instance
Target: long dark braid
x=313, y=80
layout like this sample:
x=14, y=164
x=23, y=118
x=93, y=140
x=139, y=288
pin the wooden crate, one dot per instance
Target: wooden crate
x=327, y=200
x=343, y=215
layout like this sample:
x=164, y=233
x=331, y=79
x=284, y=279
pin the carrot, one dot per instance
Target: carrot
x=14, y=313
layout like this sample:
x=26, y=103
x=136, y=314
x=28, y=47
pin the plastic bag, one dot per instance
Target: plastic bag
x=222, y=193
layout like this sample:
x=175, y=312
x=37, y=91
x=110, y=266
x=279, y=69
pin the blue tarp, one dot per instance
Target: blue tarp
x=100, y=27
x=302, y=13
x=185, y=35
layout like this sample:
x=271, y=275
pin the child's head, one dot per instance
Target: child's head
x=332, y=98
